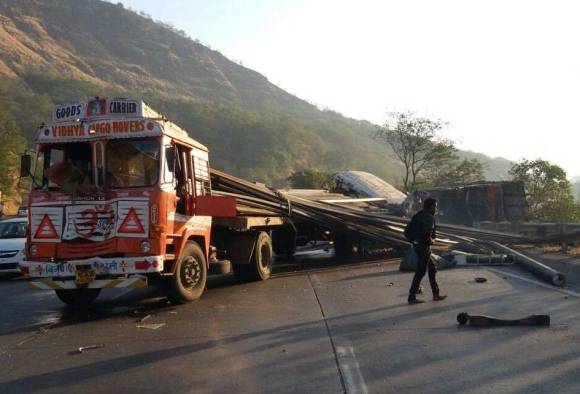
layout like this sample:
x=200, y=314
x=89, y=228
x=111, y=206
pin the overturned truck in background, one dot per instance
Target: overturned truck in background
x=472, y=203
x=361, y=184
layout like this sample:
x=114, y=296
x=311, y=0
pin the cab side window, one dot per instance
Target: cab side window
x=202, y=176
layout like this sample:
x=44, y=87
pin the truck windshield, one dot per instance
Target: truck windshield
x=65, y=167
x=132, y=163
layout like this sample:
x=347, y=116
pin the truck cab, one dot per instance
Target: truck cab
x=121, y=197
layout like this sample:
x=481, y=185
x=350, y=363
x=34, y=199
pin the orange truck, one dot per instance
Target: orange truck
x=121, y=197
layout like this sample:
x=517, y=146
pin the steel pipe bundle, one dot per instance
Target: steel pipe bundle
x=259, y=200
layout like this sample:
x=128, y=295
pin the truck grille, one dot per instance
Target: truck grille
x=86, y=249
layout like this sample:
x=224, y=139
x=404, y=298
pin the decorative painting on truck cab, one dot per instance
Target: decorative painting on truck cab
x=95, y=222
x=100, y=107
x=104, y=220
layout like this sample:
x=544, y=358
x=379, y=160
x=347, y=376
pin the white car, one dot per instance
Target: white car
x=12, y=240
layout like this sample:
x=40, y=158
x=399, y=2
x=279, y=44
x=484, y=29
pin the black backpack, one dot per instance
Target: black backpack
x=412, y=228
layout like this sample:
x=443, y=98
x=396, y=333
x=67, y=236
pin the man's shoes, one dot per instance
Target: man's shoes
x=439, y=297
x=413, y=301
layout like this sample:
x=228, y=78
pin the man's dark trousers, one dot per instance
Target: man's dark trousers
x=424, y=263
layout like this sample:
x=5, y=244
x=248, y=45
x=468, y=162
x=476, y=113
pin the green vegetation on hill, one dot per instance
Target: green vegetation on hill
x=53, y=51
x=107, y=45
x=260, y=145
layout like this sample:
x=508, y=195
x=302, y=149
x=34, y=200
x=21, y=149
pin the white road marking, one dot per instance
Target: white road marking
x=353, y=379
x=563, y=291
x=348, y=369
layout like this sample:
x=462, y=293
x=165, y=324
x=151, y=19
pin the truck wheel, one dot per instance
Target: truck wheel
x=77, y=297
x=260, y=266
x=343, y=244
x=188, y=282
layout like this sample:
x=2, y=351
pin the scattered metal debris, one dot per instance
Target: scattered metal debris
x=144, y=318
x=480, y=279
x=152, y=326
x=390, y=284
x=90, y=347
x=488, y=321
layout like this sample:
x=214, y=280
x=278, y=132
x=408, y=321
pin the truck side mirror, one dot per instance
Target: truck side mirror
x=25, y=163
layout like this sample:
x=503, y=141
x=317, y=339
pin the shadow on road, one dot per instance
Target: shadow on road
x=34, y=310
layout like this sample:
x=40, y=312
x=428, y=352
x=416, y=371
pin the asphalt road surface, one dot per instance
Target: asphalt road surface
x=308, y=330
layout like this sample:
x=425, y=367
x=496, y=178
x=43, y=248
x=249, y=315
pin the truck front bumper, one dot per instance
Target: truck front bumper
x=134, y=282
x=101, y=266
x=129, y=272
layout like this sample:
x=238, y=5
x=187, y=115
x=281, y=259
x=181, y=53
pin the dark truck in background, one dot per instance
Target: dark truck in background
x=473, y=203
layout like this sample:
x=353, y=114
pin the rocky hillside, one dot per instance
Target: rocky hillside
x=496, y=168
x=109, y=46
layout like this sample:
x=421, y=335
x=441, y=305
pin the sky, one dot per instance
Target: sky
x=505, y=75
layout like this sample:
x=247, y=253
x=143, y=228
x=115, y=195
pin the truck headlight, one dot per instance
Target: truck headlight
x=33, y=250
x=145, y=246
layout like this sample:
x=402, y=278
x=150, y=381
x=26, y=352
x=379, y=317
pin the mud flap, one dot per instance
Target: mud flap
x=240, y=247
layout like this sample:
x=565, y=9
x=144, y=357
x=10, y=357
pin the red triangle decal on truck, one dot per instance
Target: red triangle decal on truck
x=131, y=224
x=46, y=229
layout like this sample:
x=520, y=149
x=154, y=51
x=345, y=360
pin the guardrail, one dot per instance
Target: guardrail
x=533, y=229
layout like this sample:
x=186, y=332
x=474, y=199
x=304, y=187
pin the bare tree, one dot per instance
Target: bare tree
x=416, y=143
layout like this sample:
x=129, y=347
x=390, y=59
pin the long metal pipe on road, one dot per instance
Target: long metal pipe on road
x=534, y=266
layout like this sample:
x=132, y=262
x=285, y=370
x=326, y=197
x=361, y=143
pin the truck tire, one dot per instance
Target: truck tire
x=343, y=244
x=188, y=282
x=77, y=297
x=260, y=266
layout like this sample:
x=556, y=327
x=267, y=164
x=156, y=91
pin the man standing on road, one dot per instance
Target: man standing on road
x=421, y=232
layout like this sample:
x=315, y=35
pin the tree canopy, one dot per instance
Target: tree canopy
x=455, y=172
x=309, y=179
x=548, y=191
x=11, y=148
x=428, y=159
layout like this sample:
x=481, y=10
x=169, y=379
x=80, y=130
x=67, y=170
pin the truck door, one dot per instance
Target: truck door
x=184, y=175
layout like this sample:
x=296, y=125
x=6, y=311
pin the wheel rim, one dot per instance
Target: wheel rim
x=265, y=257
x=190, y=272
